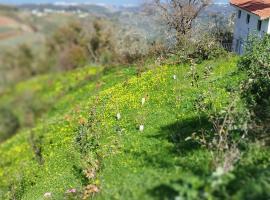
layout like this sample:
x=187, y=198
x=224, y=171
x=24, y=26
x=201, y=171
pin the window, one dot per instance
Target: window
x=239, y=14
x=259, y=25
x=237, y=46
x=248, y=18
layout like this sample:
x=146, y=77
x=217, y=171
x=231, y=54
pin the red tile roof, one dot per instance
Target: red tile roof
x=257, y=7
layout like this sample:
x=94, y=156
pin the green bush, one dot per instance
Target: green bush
x=198, y=49
x=207, y=48
x=72, y=57
x=256, y=63
x=9, y=124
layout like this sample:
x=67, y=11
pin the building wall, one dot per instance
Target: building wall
x=243, y=30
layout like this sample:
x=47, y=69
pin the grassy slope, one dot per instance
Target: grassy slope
x=154, y=164
x=62, y=119
x=40, y=93
x=159, y=163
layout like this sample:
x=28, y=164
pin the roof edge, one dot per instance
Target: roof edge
x=261, y=18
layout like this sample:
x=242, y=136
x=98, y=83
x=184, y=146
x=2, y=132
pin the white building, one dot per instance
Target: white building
x=252, y=17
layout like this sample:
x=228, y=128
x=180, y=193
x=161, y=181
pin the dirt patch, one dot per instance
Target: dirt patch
x=4, y=21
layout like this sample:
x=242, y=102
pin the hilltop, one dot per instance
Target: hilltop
x=91, y=141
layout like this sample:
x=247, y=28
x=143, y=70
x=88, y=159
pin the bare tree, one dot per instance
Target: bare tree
x=180, y=14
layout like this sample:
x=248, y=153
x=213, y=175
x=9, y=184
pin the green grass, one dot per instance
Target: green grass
x=69, y=91
x=34, y=97
x=81, y=130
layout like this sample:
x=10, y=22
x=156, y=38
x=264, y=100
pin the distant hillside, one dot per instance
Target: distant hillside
x=45, y=18
x=10, y=27
x=7, y=8
x=222, y=9
x=94, y=9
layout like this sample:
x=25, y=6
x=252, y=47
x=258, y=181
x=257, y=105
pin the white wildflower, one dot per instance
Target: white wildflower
x=48, y=195
x=118, y=116
x=143, y=101
x=141, y=128
x=174, y=77
x=219, y=172
x=178, y=198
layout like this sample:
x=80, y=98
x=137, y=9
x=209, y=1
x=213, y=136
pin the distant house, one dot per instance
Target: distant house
x=252, y=18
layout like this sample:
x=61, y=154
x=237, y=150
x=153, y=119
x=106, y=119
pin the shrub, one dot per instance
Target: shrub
x=73, y=57
x=9, y=123
x=256, y=90
x=207, y=48
x=197, y=49
x=221, y=27
x=17, y=63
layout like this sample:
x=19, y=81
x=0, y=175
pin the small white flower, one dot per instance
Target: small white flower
x=48, y=195
x=118, y=116
x=143, y=101
x=178, y=198
x=174, y=77
x=219, y=172
x=141, y=128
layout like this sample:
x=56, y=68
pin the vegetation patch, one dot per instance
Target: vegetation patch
x=93, y=143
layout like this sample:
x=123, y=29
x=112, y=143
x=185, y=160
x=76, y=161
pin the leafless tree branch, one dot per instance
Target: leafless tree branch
x=180, y=14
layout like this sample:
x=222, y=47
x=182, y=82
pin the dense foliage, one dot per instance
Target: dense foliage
x=256, y=89
x=9, y=123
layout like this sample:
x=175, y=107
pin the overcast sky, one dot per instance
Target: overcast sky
x=112, y=2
